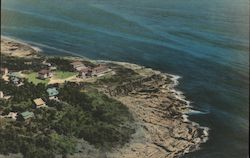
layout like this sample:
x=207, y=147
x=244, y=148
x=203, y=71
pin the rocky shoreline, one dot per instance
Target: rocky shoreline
x=160, y=111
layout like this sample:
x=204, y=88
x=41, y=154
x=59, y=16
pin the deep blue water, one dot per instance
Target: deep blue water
x=205, y=42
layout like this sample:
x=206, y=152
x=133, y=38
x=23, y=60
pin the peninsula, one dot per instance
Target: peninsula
x=75, y=107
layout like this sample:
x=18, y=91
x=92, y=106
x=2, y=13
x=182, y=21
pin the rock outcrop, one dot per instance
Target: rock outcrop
x=162, y=131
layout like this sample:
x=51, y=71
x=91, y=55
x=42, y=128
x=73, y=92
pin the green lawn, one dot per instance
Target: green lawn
x=32, y=77
x=64, y=74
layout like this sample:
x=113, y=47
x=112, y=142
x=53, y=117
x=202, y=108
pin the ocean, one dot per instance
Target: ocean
x=204, y=42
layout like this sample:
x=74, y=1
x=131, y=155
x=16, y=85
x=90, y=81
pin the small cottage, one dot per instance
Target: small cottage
x=1, y=112
x=52, y=92
x=44, y=74
x=26, y=115
x=52, y=68
x=4, y=71
x=16, y=78
x=39, y=103
x=47, y=64
x=1, y=95
x=28, y=63
x=12, y=115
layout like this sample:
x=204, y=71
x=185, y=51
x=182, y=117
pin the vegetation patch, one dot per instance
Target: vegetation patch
x=122, y=75
x=32, y=77
x=104, y=122
x=19, y=64
x=64, y=74
x=61, y=64
x=57, y=129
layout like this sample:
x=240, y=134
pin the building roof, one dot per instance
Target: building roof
x=1, y=94
x=39, y=102
x=53, y=68
x=47, y=64
x=80, y=66
x=85, y=70
x=12, y=115
x=100, y=68
x=15, y=79
x=28, y=62
x=15, y=75
x=76, y=63
x=27, y=114
x=3, y=69
x=44, y=71
x=52, y=91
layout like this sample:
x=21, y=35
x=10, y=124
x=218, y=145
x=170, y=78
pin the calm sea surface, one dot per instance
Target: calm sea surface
x=206, y=42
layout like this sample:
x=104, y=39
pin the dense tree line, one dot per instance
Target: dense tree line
x=25, y=92
x=18, y=64
x=62, y=64
x=93, y=116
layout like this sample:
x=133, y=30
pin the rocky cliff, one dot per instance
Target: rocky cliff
x=162, y=129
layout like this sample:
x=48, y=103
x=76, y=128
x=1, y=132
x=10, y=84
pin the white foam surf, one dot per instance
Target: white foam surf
x=180, y=96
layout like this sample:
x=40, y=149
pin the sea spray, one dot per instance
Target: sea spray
x=179, y=95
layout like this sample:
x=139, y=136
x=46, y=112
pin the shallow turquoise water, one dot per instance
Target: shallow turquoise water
x=205, y=42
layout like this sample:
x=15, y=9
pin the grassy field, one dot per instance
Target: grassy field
x=32, y=77
x=64, y=74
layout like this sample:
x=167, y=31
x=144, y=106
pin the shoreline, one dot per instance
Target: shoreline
x=167, y=90
x=40, y=50
x=37, y=49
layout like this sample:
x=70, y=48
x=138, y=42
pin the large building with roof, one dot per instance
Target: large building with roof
x=86, y=72
x=78, y=65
